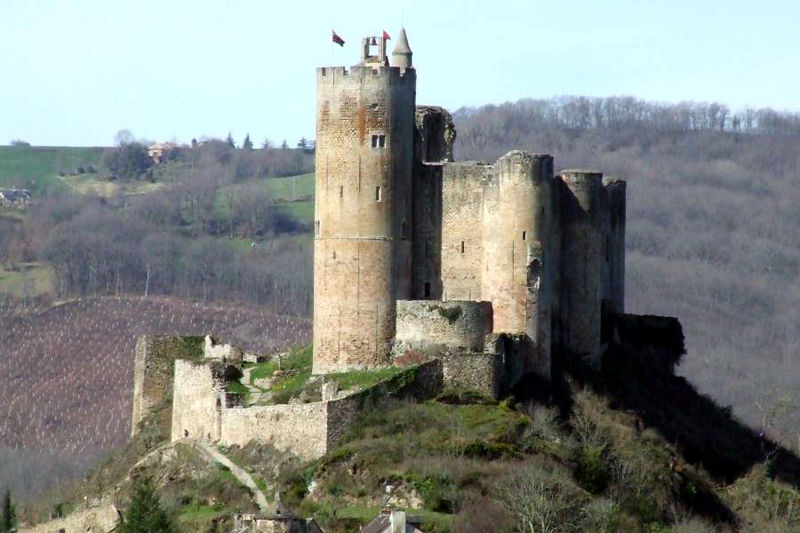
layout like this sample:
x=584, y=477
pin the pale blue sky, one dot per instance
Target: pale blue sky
x=76, y=72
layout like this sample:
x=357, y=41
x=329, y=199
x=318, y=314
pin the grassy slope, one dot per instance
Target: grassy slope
x=37, y=168
x=27, y=280
x=461, y=462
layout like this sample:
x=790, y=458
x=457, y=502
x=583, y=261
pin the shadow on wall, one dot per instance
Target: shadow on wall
x=638, y=377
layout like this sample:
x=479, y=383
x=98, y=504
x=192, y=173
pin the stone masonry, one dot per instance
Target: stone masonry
x=397, y=219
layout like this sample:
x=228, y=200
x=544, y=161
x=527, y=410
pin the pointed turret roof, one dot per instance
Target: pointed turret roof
x=402, y=44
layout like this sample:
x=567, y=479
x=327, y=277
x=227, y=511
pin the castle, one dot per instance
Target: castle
x=415, y=253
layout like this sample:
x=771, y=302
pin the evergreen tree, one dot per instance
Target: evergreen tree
x=8, y=520
x=229, y=140
x=145, y=514
x=247, y=144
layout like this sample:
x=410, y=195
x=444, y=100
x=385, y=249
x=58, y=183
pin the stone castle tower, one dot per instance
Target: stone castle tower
x=527, y=260
x=362, y=247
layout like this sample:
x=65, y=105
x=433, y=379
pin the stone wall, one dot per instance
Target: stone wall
x=153, y=371
x=462, y=229
x=100, y=519
x=363, y=212
x=310, y=430
x=482, y=372
x=195, y=403
x=434, y=326
x=299, y=428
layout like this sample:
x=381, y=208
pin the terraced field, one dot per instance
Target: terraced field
x=68, y=370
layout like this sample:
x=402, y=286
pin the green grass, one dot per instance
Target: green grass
x=297, y=359
x=361, y=379
x=297, y=366
x=195, y=512
x=237, y=387
x=291, y=188
x=36, y=168
x=29, y=280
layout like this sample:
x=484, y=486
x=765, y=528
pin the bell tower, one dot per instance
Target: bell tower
x=363, y=207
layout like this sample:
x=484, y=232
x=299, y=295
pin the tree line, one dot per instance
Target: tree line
x=210, y=232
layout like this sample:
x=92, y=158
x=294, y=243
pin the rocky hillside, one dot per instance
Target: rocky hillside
x=634, y=448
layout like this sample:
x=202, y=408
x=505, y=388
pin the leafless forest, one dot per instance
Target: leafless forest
x=713, y=233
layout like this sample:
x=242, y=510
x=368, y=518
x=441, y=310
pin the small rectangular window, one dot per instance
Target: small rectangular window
x=316, y=227
x=378, y=193
x=524, y=234
x=378, y=141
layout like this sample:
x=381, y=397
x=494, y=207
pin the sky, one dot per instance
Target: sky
x=73, y=73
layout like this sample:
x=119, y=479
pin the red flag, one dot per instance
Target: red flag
x=335, y=38
x=386, y=36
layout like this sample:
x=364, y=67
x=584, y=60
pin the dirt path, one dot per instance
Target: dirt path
x=240, y=474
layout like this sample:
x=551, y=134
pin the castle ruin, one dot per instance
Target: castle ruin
x=516, y=260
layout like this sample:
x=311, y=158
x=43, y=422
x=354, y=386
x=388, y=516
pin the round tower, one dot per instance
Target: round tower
x=362, y=243
x=401, y=55
x=517, y=258
x=581, y=263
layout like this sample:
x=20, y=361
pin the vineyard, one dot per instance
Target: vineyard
x=68, y=369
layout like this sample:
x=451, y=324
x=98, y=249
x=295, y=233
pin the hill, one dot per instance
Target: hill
x=37, y=168
x=634, y=448
x=68, y=370
x=713, y=228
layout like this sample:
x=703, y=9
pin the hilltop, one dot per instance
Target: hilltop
x=632, y=449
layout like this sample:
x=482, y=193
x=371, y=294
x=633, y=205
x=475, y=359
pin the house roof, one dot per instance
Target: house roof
x=383, y=522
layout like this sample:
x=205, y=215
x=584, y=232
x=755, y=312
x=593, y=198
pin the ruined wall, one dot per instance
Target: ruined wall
x=100, y=519
x=363, y=212
x=462, y=229
x=435, y=326
x=194, y=403
x=434, y=135
x=426, y=246
x=581, y=262
x=298, y=428
x=152, y=371
x=310, y=430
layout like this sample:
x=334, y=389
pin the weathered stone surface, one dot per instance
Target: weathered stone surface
x=430, y=326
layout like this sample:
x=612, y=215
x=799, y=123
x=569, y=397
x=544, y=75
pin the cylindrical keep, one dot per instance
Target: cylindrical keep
x=581, y=262
x=614, y=260
x=522, y=186
x=362, y=247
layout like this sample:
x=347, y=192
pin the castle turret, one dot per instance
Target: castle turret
x=401, y=55
x=581, y=271
x=362, y=227
x=517, y=265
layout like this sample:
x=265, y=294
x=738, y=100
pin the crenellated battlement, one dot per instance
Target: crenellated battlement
x=361, y=74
